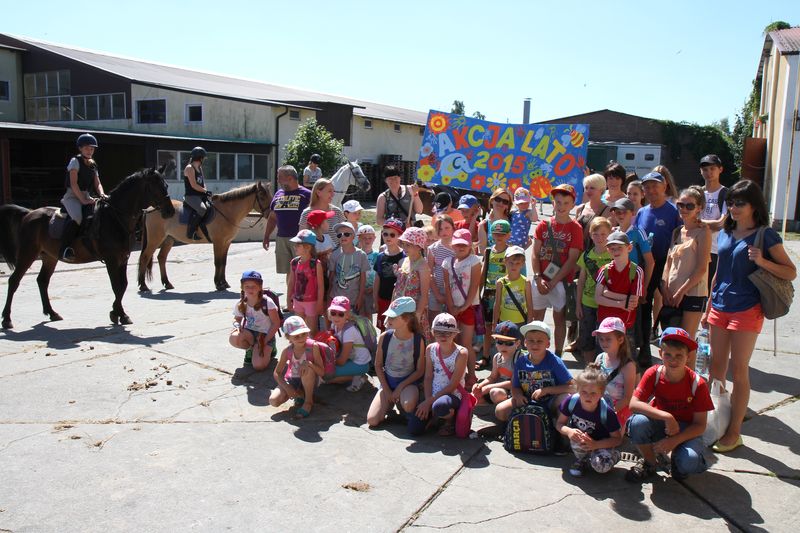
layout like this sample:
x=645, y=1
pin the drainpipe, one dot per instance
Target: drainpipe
x=277, y=146
x=795, y=128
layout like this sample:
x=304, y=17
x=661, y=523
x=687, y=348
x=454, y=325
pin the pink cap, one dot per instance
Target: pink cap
x=462, y=236
x=609, y=324
x=340, y=303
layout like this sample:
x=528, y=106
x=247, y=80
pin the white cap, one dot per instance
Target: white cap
x=537, y=325
x=351, y=206
x=365, y=229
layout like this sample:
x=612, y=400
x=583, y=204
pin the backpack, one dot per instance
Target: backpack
x=660, y=370
x=529, y=430
x=603, y=406
x=387, y=337
x=329, y=346
x=367, y=331
x=272, y=295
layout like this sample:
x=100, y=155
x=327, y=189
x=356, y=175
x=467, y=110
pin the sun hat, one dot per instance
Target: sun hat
x=415, y=236
x=522, y=196
x=679, y=335
x=317, y=217
x=609, y=324
x=564, y=188
x=294, y=325
x=507, y=331
x=396, y=224
x=304, y=236
x=467, y=201
x=500, y=226
x=536, y=325
x=344, y=225
x=351, y=206
x=251, y=275
x=340, y=303
x=401, y=305
x=461, y=236
x=514, y=250
x=618, y=237
x=445, y=322
x=365, y=229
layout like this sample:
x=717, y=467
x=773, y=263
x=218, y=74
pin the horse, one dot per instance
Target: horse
x=231, y=207
x=348, y=174
x=25, y=237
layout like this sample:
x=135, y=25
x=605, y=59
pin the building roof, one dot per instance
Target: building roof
x=607, y=112
x=225, y=86
x=787, y=41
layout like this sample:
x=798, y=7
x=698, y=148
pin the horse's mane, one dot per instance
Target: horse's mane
x=130, y=181
x=237, y=193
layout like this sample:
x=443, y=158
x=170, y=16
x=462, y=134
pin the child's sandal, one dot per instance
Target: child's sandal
x=301, y=413
x=447, y=430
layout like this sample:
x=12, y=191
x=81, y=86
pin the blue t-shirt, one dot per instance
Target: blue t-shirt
x=551, y=372
x=640, y=245
x=732, y=291
x=661, y=222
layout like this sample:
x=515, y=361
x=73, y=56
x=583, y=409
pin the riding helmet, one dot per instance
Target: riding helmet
x=251, y=275
x=315, y=158
x=87, y=139
x=198, y=153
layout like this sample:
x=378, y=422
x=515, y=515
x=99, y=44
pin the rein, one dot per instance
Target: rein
x=349, y=181
x=261, y=208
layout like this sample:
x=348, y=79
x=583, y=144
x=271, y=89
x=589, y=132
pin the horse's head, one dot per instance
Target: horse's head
x=359, y=179
x=263, y=198
x=157, y=192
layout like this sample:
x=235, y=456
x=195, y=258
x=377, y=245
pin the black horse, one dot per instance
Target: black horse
x=24, y=238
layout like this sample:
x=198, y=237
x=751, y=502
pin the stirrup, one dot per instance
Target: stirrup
x=68, y=255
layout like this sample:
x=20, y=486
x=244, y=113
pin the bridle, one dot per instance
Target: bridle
x=262, y=210
x=350, y=181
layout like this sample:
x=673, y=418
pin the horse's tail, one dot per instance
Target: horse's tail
x=148, y=273
x=10, y=219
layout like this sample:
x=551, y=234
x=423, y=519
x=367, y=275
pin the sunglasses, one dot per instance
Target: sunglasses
x=336, y=313
x=346, y=234
x=689, y=206
x=736, y=203
x=502, y=201
x=389, y=234
x=504, y=343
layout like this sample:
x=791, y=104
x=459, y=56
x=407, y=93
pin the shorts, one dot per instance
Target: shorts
x=380, y=320
x=393, y=382
x=556, y=298
x=467, y=317
x=587, y=325
x=308, y=309
x=296, y=383
x=748, y=320
x=693, y=304
x=283, y=254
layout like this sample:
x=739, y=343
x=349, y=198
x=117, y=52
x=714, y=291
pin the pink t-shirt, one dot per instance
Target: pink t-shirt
x=305, y=280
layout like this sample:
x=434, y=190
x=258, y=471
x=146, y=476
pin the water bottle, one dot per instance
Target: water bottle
x=650, y=237
x=703, y=363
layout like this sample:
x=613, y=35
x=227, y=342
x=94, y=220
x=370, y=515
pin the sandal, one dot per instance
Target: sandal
x=447, y=430
x=301, y=413
x=298, y=401
x=641, y=471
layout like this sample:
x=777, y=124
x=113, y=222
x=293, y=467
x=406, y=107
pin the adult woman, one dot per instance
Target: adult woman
x=312, y=172
x=672, y=190
x=499, y=209
x=83, y=180
x=684, y=285
x=615, y=175
x=321, y=196
x=735, y=315
x=592, y=206
x=397, y=201
x=195, y=194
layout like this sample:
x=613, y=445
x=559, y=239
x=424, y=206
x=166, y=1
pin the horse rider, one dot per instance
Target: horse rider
x=196, y=195
x=83, y=187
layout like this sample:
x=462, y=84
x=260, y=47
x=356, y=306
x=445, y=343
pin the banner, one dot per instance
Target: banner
x=477, y=155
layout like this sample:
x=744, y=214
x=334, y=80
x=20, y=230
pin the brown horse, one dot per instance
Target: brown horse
x=231, y=208
x=24, y=237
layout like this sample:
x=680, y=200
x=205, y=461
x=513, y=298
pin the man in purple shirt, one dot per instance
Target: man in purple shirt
x=287, y=204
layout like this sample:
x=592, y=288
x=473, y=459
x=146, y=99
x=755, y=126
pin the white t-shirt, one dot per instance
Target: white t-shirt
x=359, y=354
x=713, y=211
x=256, y=320
x=325, y=246
x=463, y=270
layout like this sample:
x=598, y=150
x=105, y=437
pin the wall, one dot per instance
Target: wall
x=382, y=139
x=11, y=71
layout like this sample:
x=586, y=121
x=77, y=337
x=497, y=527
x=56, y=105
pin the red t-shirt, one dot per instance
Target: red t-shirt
x=567, y=235
x=463, y=224
x=674, y=398
x=621, y=283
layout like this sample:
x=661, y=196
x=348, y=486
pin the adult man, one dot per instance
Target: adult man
x=285, y=209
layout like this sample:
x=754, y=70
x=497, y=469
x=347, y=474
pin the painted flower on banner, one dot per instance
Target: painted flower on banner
x=514, y=184
x=426, y=150
x=478, y=182
x=497, y=179
x=437, y=123
x=425, y=173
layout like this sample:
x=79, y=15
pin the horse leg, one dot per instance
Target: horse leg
x=220, y=260
x=118, y=275
x=166, y=246
x=25, y=259
x=43, y=279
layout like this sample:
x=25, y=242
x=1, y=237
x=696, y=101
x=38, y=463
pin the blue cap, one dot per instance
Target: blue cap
x=401, y=305
x=678, y=335
x=304, y=236
x=467, y=201
x=653, y=176
x=251, y=275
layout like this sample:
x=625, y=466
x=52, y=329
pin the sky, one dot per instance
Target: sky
x=680, y=60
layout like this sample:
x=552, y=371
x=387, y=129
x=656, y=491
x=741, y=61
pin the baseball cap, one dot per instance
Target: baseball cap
x=536, y=325
x=441, y=202
x=609, y=324
x=501, y=226
x=653, y=176
x=564, y=188
x=679, y=335
x=393, y=223
x=514, y=250
x=618, y=237
x=623, y=204
x=294, y=325
x=365, y=229
x=507, y=331
x=467, y=201
x=401, y=305
x=711, y=159
x=340, y=303
x=317, y=217
x=351, y=206
x=304, y=236
x=445, y=322
x=461, y=236
x=522, y=196
x=344, y=225
x=251, y=275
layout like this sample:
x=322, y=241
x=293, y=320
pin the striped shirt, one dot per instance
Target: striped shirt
x=439, y=252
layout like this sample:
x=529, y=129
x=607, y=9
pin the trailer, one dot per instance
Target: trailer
x=635, y=157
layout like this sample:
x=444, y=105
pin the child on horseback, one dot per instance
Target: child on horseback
x=256, y=321
x=306, y=287
x=83, y=181
x=196, y=195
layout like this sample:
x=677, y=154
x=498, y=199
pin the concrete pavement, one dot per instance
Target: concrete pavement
x=156, y=427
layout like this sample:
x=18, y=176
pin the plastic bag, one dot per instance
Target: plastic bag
x=720, y=417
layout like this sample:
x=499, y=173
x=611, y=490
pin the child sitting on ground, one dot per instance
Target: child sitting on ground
x=398, y=365
x=352, y=362
x=305, y=367
x=497, y=387
x=256, y=321
x=445, y=366
x=365, y=236
x=617, y=363
x=305, y=291
x=670, y=406
x=514, y=300
x=590, y=262
x=590, y=425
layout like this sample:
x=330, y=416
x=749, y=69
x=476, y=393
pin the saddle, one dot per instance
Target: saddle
x=186, y=213
x=60, y=218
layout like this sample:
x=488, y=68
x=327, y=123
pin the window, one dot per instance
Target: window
x=210, y=166
x=227, y=166
x=397, y=128
x=244, y=167
x=4, y=90
x=367, y=124
x=261, y=166
x=151, y=111
x=219, y=166
x=649, y=157
x=629, y=157
x=52, y=83
x=294, y=114
x=194, y=113
x=165, y=157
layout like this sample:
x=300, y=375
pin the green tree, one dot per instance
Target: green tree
x=743, y=125
x=777, y=25
x=313, y=138
x=479, y=115
x=458, y=107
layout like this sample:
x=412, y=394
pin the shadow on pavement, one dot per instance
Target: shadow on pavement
x=627, y=499
x=195, y=298
x=768, y=382
x=776, y=431
x=66, y=338
x=725, y=490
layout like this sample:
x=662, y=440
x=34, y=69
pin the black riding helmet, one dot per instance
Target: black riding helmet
x=198, y=153
x=87, y=139
x=315, y=158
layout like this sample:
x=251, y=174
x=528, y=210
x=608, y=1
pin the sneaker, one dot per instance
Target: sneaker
x=357, y=383
x=248, y=357
x=664, y=463
x=641, y=471
x=578, y=468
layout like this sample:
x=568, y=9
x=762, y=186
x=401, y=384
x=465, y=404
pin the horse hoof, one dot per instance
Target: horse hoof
x=144, y=288
x=7, y=324
x=226, y=285
x=114, y=318
x=55, y=317
x=125, y=320
x=168, y=286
